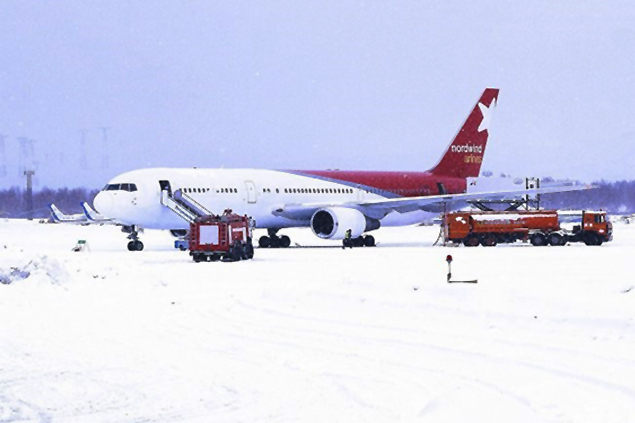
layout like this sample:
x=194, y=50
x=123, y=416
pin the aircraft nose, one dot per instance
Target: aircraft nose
x=103, y=203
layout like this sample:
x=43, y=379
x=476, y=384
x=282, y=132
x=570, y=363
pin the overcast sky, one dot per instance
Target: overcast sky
x=368, y=85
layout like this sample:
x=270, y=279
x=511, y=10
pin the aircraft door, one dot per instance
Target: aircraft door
x=252, y=196
x=165, y=186
x=360, y=193
x=166, y=191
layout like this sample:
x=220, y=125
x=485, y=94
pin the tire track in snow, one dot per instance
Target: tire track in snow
x=261, y=325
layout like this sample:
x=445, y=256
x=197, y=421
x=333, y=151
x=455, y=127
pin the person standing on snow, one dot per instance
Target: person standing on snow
x=348, y=239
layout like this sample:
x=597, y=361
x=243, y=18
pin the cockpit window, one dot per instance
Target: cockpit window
x=120, y=187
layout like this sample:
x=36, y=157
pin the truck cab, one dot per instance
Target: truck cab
x=590, y=227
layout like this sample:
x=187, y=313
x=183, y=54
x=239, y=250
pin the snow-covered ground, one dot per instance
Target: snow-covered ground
x=314, y=334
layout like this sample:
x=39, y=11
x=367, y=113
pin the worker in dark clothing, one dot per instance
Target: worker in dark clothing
x=348, y=239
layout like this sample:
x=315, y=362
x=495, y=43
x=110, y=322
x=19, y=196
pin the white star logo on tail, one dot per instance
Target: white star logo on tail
x=487, y=115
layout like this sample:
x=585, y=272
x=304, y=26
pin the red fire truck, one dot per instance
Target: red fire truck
x=226, y=237
x=540, y=227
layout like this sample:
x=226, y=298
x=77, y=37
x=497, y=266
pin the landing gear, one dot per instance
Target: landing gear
x=360, y=241
x=274, y=241
x=134, y=244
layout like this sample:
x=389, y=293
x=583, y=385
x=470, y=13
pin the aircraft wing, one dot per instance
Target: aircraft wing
x=434, y=203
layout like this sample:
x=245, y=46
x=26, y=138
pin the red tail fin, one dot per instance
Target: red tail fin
x=464, y=156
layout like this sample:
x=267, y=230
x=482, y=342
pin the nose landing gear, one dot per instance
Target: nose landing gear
x=134, y=244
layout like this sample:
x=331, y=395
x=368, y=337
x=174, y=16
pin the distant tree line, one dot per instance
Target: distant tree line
x=615, y=197
x=13, y=201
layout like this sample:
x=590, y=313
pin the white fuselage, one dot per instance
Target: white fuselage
x=254, y=192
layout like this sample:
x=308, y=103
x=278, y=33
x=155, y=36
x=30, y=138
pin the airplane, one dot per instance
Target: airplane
x=93, y=216
x=89, y=216
x=329, y=201
x=59, y=217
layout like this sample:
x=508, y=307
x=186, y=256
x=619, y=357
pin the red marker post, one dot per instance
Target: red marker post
x=449, y=260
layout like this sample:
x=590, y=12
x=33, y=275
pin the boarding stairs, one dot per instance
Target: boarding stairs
x=183, y=205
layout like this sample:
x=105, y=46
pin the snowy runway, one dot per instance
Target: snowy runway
x=314, y=334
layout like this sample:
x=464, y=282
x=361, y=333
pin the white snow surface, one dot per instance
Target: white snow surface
x=313, y=334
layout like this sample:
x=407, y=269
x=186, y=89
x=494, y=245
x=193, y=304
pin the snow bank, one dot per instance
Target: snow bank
x=19, y=266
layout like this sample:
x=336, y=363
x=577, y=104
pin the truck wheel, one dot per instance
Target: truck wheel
x=538, y=240
x=249, y=251
x=488, y=241
x=214, y=257
x=236, y=252
x=555, y=239
x=591, y=239
x=471, y=241
x=197, y=258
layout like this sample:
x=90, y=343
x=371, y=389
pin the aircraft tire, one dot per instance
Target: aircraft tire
x=369, y=241
x=275, y=242
x=264, y=242
x=135, y=246
x=285, y=241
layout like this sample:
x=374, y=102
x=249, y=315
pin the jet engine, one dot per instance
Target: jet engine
x=333, y=222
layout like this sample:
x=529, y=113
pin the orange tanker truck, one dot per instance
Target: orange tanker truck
x=540, y=227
